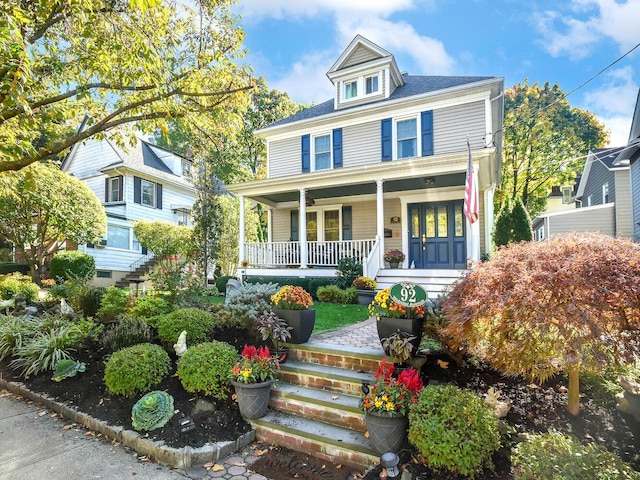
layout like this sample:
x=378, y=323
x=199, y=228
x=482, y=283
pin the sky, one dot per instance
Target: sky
x=293, y=43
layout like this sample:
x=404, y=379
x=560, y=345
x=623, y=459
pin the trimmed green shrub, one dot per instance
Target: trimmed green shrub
x=152, y=411
x=114, y=303
x=126, y=332
x=72, y=265
x=251, y=301
x=316, y=283
x=348, y=270
x=226, y=319
x=221, y=283
x=335, y=294
x=554, y=456
x=150, y=306
x=136, y=369
x=453, y=429
x=197, y=323
x=205, y=368
x=16, y=283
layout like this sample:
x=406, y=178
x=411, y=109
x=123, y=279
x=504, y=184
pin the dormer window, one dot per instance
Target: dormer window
x=351, y=89
x=362, y=87
x=371, y=85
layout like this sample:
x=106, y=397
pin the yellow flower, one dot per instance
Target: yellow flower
x=390, y=406
x=378, y=403
x=246, y=372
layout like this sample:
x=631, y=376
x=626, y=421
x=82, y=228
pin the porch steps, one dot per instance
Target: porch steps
x=434, y=281
x=315, y=406
x=138, y=273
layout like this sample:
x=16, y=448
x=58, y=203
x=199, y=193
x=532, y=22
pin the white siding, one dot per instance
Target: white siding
x=363, y=215
x=89, y=158
x=361, y=144
x=595, y=219
x=360, y=55
x=624, y=224
x=285, y=157
x=281, y=225
x=452, y=126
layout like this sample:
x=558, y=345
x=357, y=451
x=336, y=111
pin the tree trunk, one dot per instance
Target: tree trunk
x=573, y=402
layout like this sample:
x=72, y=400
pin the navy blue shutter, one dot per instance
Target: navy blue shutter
x=158, y=196
x=106, y=189
x=121, y=191
x=306, y=153
x=387, y=139
x=144, y=250
x=337, y=148
x=347, y=222
x=295, y=236
x=137, y=190
x=426, y=121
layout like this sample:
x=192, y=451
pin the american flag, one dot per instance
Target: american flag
x=471, y=191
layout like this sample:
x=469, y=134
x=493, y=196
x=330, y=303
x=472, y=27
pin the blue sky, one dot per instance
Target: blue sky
x=293, y=43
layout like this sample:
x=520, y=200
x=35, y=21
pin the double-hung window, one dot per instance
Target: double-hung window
x=322, y=152
x=351, y=89
x=605, y=193
x=114, y=189
x=407, y=138
x=371, y=85
x=148, y=193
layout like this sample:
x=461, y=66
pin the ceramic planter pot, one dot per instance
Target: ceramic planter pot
x=253, y=398
x=302, y=322
x=386, y=433
x=365, y=297
x=387, y=326
x=393, y=264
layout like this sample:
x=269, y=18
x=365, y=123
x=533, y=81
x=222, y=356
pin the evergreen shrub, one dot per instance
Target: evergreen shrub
x=136, y=369
x=114, y=303
x=251, y=301
x=16, y=283
x=335, y=294
x=72, y=265
x=205, y=368
x=197, y=323
x=149, y=306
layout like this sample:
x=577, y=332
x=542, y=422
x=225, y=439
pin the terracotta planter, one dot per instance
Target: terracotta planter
x=365, y=297
x=386, y=433
x=388, y=326
x=302, y=322
x=253, y=398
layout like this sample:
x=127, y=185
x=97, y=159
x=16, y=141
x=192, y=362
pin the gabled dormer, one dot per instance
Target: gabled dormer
x=363, y=73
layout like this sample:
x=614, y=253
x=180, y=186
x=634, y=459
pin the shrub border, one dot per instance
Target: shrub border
x=185, y=457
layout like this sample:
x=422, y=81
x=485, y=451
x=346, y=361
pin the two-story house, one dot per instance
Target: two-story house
x=380, y=166
x=602, y=200
x=143, y=182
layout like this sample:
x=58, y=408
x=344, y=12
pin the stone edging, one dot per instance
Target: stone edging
x=185, y=457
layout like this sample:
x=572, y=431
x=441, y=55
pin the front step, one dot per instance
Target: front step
x=434, y=281
x=315, y=408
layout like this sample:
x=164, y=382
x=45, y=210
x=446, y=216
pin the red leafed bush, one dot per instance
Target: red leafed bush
x=570, y=303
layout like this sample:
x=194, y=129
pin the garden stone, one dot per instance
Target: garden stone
x=628, y=401
x=202, y=406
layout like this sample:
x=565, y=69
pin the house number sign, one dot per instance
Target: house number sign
x=408, y=294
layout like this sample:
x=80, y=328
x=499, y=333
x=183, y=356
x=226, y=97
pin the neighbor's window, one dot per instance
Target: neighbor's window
x=322, y=152
x=605, y=193
x=186, y=168
x=371, y=84
x=351, y=89
x=118, y=237
x=148, y=193
x=114, y=189
x=407, y=138
x=567, y=195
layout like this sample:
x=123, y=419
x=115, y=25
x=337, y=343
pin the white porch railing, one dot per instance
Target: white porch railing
x=371, y=264
x=321, y=254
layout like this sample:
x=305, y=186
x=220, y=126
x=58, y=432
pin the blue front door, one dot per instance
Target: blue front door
x=437, y=235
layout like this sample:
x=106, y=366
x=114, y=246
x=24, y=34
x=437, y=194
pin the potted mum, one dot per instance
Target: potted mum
x=293, y=304
x=277, y=330
x=392, y=317
x=252, y=376
x=365, y=287
x=386, y=403
x=394, y=257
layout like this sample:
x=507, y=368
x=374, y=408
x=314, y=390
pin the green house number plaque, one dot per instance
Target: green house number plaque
x=408, y=294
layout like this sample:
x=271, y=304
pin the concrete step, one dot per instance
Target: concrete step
x=323, y=377
x=337, y=409
x=334, y=444
x=434, y=281
x=357, y=359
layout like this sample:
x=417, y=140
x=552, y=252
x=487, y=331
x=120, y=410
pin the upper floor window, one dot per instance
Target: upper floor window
x=605, y=193
x=371, y=85
x=567, y=195
x=407, y=138
x=322, y=152
x=148, y=193
x=186, y=168
x=113, y=189
x=351, y=89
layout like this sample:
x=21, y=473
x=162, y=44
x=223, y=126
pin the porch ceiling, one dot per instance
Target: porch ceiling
x=369, y=188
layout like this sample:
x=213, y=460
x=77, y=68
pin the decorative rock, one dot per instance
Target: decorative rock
x=629, y=400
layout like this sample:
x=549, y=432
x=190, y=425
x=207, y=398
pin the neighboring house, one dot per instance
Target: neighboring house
x=380, y=166
x=602, y=201
x=145, y=182
x=630, y=157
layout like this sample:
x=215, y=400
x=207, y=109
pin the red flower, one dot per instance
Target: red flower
x=249, y=351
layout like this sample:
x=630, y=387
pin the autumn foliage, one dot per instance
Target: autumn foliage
x=568, y=304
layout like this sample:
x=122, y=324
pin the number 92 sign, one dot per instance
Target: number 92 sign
x=408, y=294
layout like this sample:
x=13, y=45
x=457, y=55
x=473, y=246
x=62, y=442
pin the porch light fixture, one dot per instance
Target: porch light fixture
x=389, y=462
x=395, y=219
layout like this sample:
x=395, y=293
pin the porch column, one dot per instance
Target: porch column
x=241, y=246
x=302, y=228
x=380, y=219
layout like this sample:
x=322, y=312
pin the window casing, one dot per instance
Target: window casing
x=118, y=237
x=567, y=195
x=351, y=89
x=321, y=152
x=406, y=138
x=115, y=186
x=148, y=190
x=103, y=273
x=324, y=224
x=371, y=85
x=362, y=87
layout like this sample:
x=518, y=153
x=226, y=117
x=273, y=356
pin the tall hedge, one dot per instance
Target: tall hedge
x=72, y=265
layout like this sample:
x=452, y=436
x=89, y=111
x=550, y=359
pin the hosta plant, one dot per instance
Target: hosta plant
x=152, y=411
x=67, y=368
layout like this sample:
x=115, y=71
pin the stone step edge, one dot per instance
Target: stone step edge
x=342, y=375
x=185, y=457
x=327, y=348
x=294, y=433
x=316, y=401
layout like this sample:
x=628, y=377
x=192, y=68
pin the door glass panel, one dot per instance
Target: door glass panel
x=442, y=222
x=430, y=222
x=415, y=223
x=312, y=226
x=331, y=225
x=458, y=220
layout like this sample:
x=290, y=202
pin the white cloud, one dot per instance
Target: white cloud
x=252, y=9
x=307, y=82
x=575, y=42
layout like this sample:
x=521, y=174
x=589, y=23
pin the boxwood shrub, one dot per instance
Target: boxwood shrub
x=453, y=429
x=205, y=368
x=72, y=265
x=136, y=369
x=197, y=323
x=16, y=283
